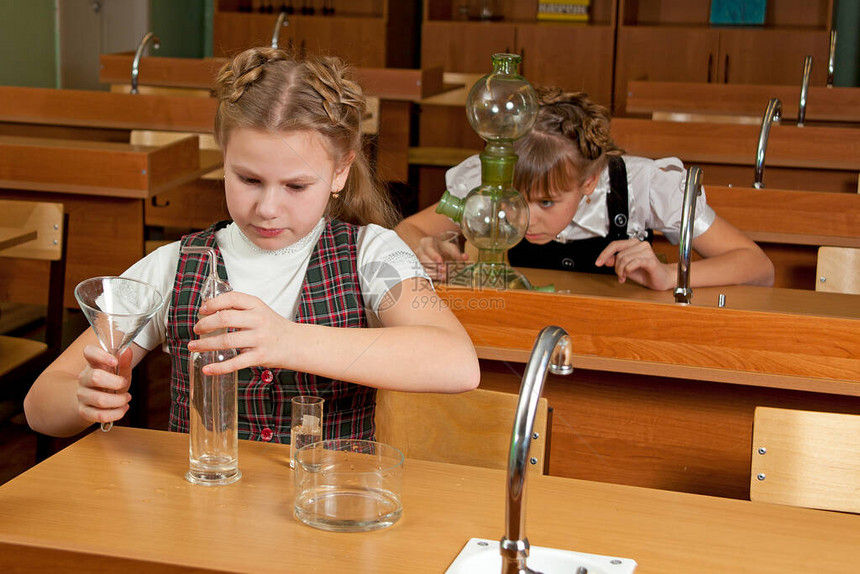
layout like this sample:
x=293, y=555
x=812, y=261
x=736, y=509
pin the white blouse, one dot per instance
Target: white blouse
x=276, y=277
x=655, y=194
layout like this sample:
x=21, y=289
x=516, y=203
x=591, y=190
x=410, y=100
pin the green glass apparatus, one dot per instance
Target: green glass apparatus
x=501, y=107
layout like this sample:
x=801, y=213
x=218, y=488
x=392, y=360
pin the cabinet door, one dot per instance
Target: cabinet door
x=464, y=46
x=574, y=58
x=233, y=32
x=772, y=56
x=358, y=41
x=663, y=54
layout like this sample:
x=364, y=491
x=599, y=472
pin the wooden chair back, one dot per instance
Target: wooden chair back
x=472, y=428
x=21, y=357
x=805, y=458
x=838, y=270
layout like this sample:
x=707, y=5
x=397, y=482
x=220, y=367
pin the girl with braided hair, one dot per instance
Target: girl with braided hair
x=326, y=301
x=593, y=209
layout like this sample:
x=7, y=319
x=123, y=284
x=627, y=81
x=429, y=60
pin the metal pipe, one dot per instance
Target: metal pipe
x=551, y=352
x=276, y=33
x=831, y=59
x=773, y=113
x=692, y=189
x=804, y=90
x=135, y=65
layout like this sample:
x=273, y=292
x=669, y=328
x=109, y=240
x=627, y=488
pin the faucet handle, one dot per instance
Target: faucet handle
x=560, y=359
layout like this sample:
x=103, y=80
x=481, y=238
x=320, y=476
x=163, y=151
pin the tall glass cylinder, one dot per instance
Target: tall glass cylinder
x=213, y=424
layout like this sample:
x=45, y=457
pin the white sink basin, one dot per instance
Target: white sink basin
x=481, y=556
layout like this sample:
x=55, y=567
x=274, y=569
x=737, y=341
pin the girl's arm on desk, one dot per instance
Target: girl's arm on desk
x=413, y=318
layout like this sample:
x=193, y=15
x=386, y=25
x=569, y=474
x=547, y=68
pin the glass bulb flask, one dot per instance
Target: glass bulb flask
x=501, y=107
x=213, y=453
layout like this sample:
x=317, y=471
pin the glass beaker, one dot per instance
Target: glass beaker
x=305, y=423
x=348, y=485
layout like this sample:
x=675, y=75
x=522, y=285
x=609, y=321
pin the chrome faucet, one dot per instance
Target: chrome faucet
x=804, y=90
x=135, y=65
x=552, y=351
x=773, y=113
x=692, y=189
x=276, y=33
x=831, y=59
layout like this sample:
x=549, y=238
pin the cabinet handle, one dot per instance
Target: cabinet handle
x=710, y=68
x=726, y=71
x=522, y=61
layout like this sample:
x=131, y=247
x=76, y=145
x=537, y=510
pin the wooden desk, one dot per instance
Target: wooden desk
x=12, y=236
x=118, y=502
x=807, y=158
x=696, y=98
x=663, y=395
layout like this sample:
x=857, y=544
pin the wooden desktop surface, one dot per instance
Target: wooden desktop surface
x=118, y=502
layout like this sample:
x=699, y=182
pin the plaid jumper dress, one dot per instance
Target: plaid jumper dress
x=330, y=295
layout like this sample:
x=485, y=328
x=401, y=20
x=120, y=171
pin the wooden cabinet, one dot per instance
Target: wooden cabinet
x=570, y=56
x=671, y=40
x=366, y=33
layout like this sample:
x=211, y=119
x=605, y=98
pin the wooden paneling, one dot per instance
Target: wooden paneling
x=663, y=54
x=578, y=59
x=748, y=337
x=657, y=432
x=823, y=104
x=95, y=168
x=46, y=106
x=778, y=56
x=193, y=205
x=105, y=238
x=172, y=72
x=464, y=46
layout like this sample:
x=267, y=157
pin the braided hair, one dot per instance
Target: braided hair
x=268, y=89
x=569, y=143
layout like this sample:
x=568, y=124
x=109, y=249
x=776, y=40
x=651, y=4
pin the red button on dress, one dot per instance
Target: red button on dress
x=268, y=376
x=266, y=434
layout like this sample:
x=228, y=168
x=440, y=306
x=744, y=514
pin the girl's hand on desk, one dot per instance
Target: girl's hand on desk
x=436, y=252
x=102, y=395
x=259, y=334
x=636, y=260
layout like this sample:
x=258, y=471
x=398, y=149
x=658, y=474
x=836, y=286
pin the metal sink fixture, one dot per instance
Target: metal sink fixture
x=551, y=353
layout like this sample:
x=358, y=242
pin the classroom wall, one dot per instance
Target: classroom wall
x=182, y=27
x=847, y=17
x=28, y=43
x=28, y=38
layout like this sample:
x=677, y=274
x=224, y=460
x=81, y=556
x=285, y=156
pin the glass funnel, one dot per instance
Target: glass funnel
x=118, y=309
x=501, y=107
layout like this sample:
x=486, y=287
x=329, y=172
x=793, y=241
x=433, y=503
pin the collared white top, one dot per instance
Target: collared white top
x=276, y=277
x=655, y=193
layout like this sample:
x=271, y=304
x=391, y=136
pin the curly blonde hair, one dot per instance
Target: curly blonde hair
x=569, y=143
x=268, y=89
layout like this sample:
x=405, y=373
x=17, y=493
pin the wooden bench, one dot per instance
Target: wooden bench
x=807, y=158
x=396, y=89
x=74, y=147
x=692, y=101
